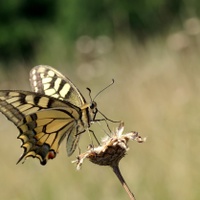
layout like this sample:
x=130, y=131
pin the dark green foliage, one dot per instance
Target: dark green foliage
x=24, y=24
x=21, y=26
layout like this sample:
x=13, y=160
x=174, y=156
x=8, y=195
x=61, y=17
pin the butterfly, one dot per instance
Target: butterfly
x=55, y=109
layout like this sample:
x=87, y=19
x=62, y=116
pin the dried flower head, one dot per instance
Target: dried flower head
x=110, y=152
x=112, y=149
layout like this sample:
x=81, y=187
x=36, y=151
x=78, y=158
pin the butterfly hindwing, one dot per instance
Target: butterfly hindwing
x=43, y=132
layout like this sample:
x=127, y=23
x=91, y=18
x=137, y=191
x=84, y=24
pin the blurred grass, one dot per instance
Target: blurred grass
x=156, y=92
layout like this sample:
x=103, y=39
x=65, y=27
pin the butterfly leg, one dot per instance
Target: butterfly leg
x=105, y=119
x=110, y=120
x=94, y=137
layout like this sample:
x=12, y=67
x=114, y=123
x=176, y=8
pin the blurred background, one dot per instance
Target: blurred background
x=151, y=49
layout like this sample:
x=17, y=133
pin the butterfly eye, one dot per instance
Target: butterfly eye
x=93, y=105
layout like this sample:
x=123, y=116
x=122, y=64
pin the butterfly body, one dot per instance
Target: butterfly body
x=53, y=111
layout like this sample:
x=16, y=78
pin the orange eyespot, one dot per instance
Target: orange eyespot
x=51, y=154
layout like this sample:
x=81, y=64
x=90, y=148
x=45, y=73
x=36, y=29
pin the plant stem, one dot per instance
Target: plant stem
x=123, y=182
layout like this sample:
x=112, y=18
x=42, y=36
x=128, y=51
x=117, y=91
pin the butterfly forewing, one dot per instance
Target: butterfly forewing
x=15, y=105
x=43, y=122
x=46, y=80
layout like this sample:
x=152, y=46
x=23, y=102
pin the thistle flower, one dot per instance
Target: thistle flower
x=110, y=152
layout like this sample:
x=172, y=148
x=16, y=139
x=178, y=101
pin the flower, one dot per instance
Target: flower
x=112, y=149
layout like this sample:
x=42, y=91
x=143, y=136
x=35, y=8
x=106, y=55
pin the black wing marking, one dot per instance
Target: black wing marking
x=47, y=80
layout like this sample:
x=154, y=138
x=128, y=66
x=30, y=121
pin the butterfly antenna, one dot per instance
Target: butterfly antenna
x=89, y=93
x=99, y=91
x=104, y=89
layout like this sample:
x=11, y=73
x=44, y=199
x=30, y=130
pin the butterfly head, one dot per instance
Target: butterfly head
x=93, y=107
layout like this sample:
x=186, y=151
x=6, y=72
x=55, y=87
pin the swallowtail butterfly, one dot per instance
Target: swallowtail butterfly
x=55, y=109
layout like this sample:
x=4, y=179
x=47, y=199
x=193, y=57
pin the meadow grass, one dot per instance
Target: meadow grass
x=157, y=93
